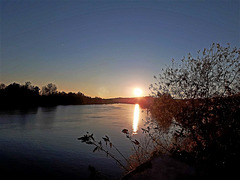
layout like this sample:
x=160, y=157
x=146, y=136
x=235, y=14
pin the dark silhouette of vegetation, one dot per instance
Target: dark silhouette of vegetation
x=17, y=96
x=49, y=89
x=198, y=103
x=98, y=146
x=109, y=149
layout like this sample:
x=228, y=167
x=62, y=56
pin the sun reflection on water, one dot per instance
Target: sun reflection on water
x=135, y=119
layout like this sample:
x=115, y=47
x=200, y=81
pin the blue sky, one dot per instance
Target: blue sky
x=107, y=48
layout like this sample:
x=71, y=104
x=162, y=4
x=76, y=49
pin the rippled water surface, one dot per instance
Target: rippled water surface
x=42, y=142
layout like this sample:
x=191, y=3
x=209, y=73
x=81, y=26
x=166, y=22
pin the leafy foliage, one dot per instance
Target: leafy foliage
x=89, y=139
x=214, y=72
x=27, y=95
x=201, y=98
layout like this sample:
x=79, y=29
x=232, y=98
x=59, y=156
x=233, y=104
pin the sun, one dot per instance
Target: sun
x=137, y=92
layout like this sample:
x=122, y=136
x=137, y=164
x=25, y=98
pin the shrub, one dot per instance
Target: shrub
x=201, y=98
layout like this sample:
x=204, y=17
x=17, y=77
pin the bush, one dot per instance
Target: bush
x=201, y=98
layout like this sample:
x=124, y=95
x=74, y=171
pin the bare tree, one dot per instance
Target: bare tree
x=2, y=86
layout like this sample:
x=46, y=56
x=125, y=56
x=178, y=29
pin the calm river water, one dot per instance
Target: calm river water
x=42, y=142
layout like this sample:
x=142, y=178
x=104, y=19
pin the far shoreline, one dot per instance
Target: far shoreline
x=144, y=102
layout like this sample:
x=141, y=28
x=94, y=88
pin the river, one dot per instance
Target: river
x=42, y=142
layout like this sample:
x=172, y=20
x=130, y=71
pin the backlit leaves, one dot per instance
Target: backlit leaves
x=203, y=76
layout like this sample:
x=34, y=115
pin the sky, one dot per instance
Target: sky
x=107, y=48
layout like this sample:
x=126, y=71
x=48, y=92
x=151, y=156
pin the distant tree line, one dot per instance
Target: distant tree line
x=16, y=96
x=28, y=95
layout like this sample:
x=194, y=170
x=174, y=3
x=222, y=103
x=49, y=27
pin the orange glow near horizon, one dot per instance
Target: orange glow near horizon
x=135, y=119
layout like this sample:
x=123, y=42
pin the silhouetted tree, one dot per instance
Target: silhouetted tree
x=80, y=94
x=33, y=90
x=2, y=86
x=19, y=95
x=13, y=89
x=49, y=89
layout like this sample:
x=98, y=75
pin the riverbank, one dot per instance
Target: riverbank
x=161, y=167
x=55, y=100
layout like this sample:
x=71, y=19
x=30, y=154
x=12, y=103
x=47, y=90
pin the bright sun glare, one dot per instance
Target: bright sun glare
x=137, y=92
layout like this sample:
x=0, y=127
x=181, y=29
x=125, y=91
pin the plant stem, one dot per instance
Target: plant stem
x=122, y=156
x=118, y=161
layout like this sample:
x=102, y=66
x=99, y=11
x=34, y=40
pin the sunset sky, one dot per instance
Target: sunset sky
x=107, y=48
